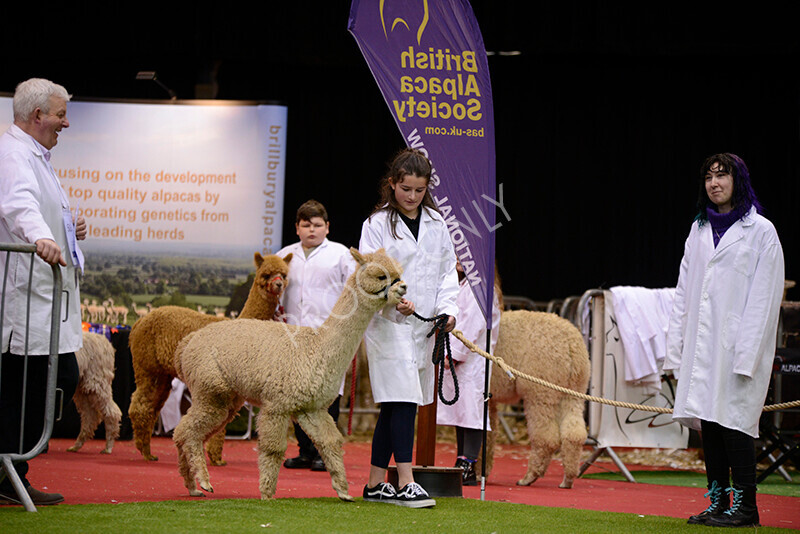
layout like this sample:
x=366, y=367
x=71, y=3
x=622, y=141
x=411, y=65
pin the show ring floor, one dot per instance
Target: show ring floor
x=122, y=477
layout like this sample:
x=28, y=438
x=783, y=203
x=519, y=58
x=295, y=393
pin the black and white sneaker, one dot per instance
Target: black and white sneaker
x=383, y=492
x=414, y=496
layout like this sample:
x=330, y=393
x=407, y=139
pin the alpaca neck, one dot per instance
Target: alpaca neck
x=345, y=327
x=257, y=307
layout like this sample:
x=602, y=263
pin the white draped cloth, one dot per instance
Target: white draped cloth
x=642, y=316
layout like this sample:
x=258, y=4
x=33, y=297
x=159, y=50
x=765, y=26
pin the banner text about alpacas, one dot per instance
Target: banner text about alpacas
x=137, y=204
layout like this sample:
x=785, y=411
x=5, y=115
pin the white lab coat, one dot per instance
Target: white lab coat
x=467, y=411
x=722, y=333
x=398, y=351
x=315, y=283
x=32, y=207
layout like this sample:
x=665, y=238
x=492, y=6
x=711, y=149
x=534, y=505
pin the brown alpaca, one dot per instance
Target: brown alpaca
x=289, y=371
x=548, y=347
x=155, y=337
x=93, y=396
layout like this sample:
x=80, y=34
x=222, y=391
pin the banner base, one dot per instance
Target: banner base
x=437, y=481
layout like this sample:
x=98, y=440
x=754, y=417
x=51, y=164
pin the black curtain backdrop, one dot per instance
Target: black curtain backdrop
x=602, y=120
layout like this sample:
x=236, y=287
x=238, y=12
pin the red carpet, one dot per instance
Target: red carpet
x=91, y=477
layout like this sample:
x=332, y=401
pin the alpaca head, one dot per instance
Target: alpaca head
x=271, y=273
x=377, y=279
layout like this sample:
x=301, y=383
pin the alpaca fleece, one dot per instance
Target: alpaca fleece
x=155, y=337
x=289, y=371
x=93, y=397
x=549, y=347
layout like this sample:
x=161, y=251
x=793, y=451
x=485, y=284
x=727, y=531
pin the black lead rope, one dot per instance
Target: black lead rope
x=441, y=350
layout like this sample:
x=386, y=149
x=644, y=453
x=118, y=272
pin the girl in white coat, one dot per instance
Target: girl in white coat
x=722, y=334
x=408, y=226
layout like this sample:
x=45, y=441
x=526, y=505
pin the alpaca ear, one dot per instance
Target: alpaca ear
x=258, y=259
x=357, y=256
x=288, y=257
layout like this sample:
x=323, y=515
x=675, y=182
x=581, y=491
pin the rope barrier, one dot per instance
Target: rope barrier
x=511, y=372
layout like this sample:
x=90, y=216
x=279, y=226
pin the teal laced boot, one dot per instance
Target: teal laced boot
x=742, y=513
x=719, y=504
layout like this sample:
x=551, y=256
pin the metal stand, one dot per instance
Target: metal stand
x=611, y=454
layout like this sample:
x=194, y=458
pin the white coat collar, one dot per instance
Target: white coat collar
x=318, y=247
x=26, y=139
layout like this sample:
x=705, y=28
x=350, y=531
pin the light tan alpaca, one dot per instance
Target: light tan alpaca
x=290, y=371
x=155, y=337
x=119, y=312
x=548, y=347
x=141, y=312
x=96, y=312
x=93, y=396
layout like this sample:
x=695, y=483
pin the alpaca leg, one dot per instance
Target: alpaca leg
x=217, y=440
x=328, y=440
x=112, y=416
x=542, y=425
x=214, y=448
x=185, y=470
x=89, y=419
x=573, y=437
x=271, y=450
x=146, y=402
x=203, y=418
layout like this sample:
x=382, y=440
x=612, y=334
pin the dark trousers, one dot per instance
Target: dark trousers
x=307, y=447
x=11, y=386
x=394, y=434
x=468, y=442
x=730, y=455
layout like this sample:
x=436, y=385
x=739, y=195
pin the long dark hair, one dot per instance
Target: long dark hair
x=407, y=161
x=744, y=197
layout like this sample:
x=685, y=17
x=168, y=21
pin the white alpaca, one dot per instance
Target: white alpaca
x=290, y=371
x=93, y=396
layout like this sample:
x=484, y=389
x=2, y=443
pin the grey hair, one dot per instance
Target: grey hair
x=36, y=93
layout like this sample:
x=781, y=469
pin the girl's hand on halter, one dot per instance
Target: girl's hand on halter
x=451, y=323
x=406, y=307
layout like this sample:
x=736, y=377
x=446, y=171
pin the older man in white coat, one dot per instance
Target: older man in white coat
x=722, y=334
x=35, y=209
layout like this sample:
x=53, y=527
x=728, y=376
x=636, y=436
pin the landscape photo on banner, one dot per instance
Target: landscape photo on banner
x=429, y=61
x=159, y=181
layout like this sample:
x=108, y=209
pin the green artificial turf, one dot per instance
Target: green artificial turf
x=773, y=484
x=329, y=515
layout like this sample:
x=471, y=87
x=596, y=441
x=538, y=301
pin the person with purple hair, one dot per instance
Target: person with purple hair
x=722, y=334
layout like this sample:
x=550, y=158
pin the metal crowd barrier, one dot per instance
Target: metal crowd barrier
x=8, y=459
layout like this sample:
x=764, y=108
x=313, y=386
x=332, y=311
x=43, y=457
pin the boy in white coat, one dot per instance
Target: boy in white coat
x=722, y=334
x=317, y=274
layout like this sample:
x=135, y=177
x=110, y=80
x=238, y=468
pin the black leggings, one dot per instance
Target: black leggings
x=729, y=455
x=468, y=442
x=394, y=434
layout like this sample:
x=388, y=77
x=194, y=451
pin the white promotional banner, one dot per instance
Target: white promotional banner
x=198, y=180
x=624, y=427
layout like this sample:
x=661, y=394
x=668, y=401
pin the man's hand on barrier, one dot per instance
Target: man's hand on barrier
x=50, y=252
